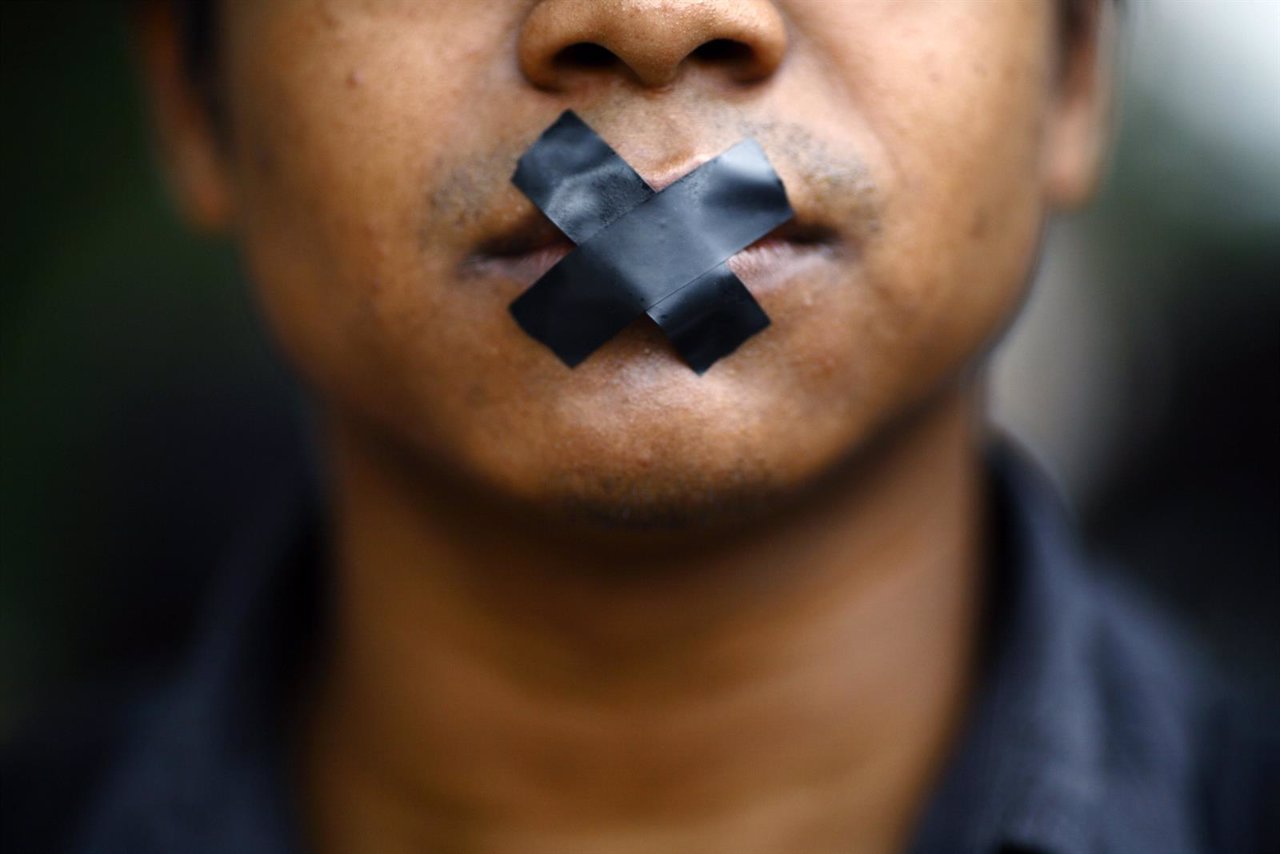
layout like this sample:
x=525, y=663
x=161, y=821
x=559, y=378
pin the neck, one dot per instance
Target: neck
x=793, y=689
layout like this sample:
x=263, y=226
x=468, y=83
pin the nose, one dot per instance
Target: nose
x=564, y=42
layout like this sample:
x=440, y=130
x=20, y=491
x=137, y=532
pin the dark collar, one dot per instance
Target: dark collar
x=1029, y=772
x=206, y=770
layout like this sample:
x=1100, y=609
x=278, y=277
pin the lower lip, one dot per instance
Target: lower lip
x=768, y=265
x=763, y=266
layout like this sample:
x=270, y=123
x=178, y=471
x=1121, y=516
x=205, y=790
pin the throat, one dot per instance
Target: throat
x=797, y=693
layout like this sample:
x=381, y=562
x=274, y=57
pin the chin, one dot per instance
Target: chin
x=686, y=480
x=661, y=452
x=673, y=504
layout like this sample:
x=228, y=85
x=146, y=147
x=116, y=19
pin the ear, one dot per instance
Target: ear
x=1082, y=113
x=191, y=153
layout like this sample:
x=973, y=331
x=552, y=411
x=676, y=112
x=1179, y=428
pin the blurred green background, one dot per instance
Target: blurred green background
x=141, y=407
x=139, y=403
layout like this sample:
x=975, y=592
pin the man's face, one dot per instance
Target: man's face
x=371, y=146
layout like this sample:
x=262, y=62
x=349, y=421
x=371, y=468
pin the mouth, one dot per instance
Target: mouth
x=523, y=254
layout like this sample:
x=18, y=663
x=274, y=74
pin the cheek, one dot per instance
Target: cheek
x=344, y=119
x=955, y=101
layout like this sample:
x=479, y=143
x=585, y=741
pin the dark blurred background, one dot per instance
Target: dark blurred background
x=141, y=408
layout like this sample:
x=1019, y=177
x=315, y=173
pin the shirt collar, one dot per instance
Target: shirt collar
x=1028, y=772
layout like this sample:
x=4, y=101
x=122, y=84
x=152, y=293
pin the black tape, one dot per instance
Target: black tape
x=639, y=251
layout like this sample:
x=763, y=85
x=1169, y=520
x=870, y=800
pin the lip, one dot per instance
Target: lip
x=526, y=252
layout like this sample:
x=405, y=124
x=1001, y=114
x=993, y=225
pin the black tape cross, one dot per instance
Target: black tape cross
x=639, y=251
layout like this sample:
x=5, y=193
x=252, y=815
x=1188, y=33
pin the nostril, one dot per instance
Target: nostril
x=568, y=43
x=724, y=52
x=584, y=55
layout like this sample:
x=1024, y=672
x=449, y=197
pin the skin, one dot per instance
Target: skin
x=625, y=607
